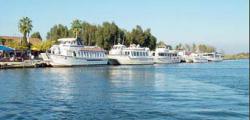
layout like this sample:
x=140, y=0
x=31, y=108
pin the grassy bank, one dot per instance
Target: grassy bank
x=236, y=56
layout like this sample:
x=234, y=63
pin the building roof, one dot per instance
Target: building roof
x=17, y=39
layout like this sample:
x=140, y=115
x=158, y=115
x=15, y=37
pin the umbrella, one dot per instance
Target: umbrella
x=5, y=48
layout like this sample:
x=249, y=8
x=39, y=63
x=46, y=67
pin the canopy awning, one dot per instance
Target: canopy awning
x=5, y=48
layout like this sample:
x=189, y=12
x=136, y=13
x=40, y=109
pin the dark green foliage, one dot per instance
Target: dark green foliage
x=76, y=27
x=179, y=47
x=58, y=31
x=236, y=56
x=88, y=33
x=2, y=41
x=25, y=27
x=143, y=38
x=36, y=35
x=105, y=35
x=206, y=48
x=196, y=48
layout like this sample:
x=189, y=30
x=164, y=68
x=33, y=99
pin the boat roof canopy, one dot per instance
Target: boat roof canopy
x=67, y=39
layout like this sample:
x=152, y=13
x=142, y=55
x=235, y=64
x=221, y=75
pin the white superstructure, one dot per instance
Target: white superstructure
x=130, y=55
x=198, y=58
x=162, y=55
x=71, y=51
x=214, y=57
x=185, y=56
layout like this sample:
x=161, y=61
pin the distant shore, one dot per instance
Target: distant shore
x=236, y=56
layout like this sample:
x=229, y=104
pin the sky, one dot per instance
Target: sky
x=220, y=23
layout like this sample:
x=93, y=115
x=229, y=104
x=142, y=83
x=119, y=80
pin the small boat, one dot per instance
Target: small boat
x=162, y=55
x=130, y=55
x=72, y=52
x=214, y=57
x=198, y=58
x=185, y=56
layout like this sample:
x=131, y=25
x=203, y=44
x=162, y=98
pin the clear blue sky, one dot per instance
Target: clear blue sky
x=221, y=23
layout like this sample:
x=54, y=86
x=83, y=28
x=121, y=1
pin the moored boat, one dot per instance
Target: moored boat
x=130, y=55
x=162, y=55
x=214, y=57
x=198, y=58
x=72, y=52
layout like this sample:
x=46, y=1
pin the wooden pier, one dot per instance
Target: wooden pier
x=25, y=64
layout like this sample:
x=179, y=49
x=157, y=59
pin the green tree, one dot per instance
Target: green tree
x=187, y=47
x=108, y=34
x=179, y=47
x=58, y=31
x=193, y=47
x=2, y=41
x=88, y=33
x=76, y=27
x=122, y=36
x=36, y=35
x=105, y=35
x=44, y=45
x=141, y=37
x=136, y=36
x=161, y=44
x=25, y=27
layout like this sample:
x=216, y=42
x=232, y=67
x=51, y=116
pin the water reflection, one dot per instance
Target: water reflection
x=129, y=92
x=63, y=80
x=129, y=76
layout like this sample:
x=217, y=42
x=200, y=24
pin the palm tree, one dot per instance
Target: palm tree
x=2, y=41
x=76, y=27
x=25, y=27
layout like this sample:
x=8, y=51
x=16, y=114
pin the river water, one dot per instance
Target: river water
x=174, y=91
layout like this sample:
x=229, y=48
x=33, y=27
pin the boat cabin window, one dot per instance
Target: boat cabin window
x=133, y=53
x=88, y=54
x=126, y=52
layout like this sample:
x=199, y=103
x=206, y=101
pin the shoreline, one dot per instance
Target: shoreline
x=236, y=59
x=43, y=64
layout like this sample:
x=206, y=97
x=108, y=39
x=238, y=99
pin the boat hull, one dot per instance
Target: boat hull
x=197, y=60
x=59, y=60
x=166, y=60
x=215, y=59
x=126, y=60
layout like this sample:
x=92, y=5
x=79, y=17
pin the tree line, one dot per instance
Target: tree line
x=105, y=35
x=204, y=48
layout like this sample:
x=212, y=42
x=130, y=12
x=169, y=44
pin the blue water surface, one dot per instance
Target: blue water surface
x=205, y=91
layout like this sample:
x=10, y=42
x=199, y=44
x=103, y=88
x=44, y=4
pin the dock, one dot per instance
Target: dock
x=25, y=64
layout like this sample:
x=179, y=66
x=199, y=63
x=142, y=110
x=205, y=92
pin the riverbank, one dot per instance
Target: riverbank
x=24, y=64
x=236, y=56
x=43, y=64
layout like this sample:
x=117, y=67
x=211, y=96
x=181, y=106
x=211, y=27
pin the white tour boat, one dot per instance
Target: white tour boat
x=130, y=55
x=214, y=57
x=198, y=58
x=162, y=55
x=71, y=52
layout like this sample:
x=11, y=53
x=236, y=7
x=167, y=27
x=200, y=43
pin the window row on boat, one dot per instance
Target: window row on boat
x=90, y=54
x=167, y=54
x=136, y=53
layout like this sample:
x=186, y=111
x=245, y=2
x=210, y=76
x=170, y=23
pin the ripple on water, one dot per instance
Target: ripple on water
x=174, y=92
